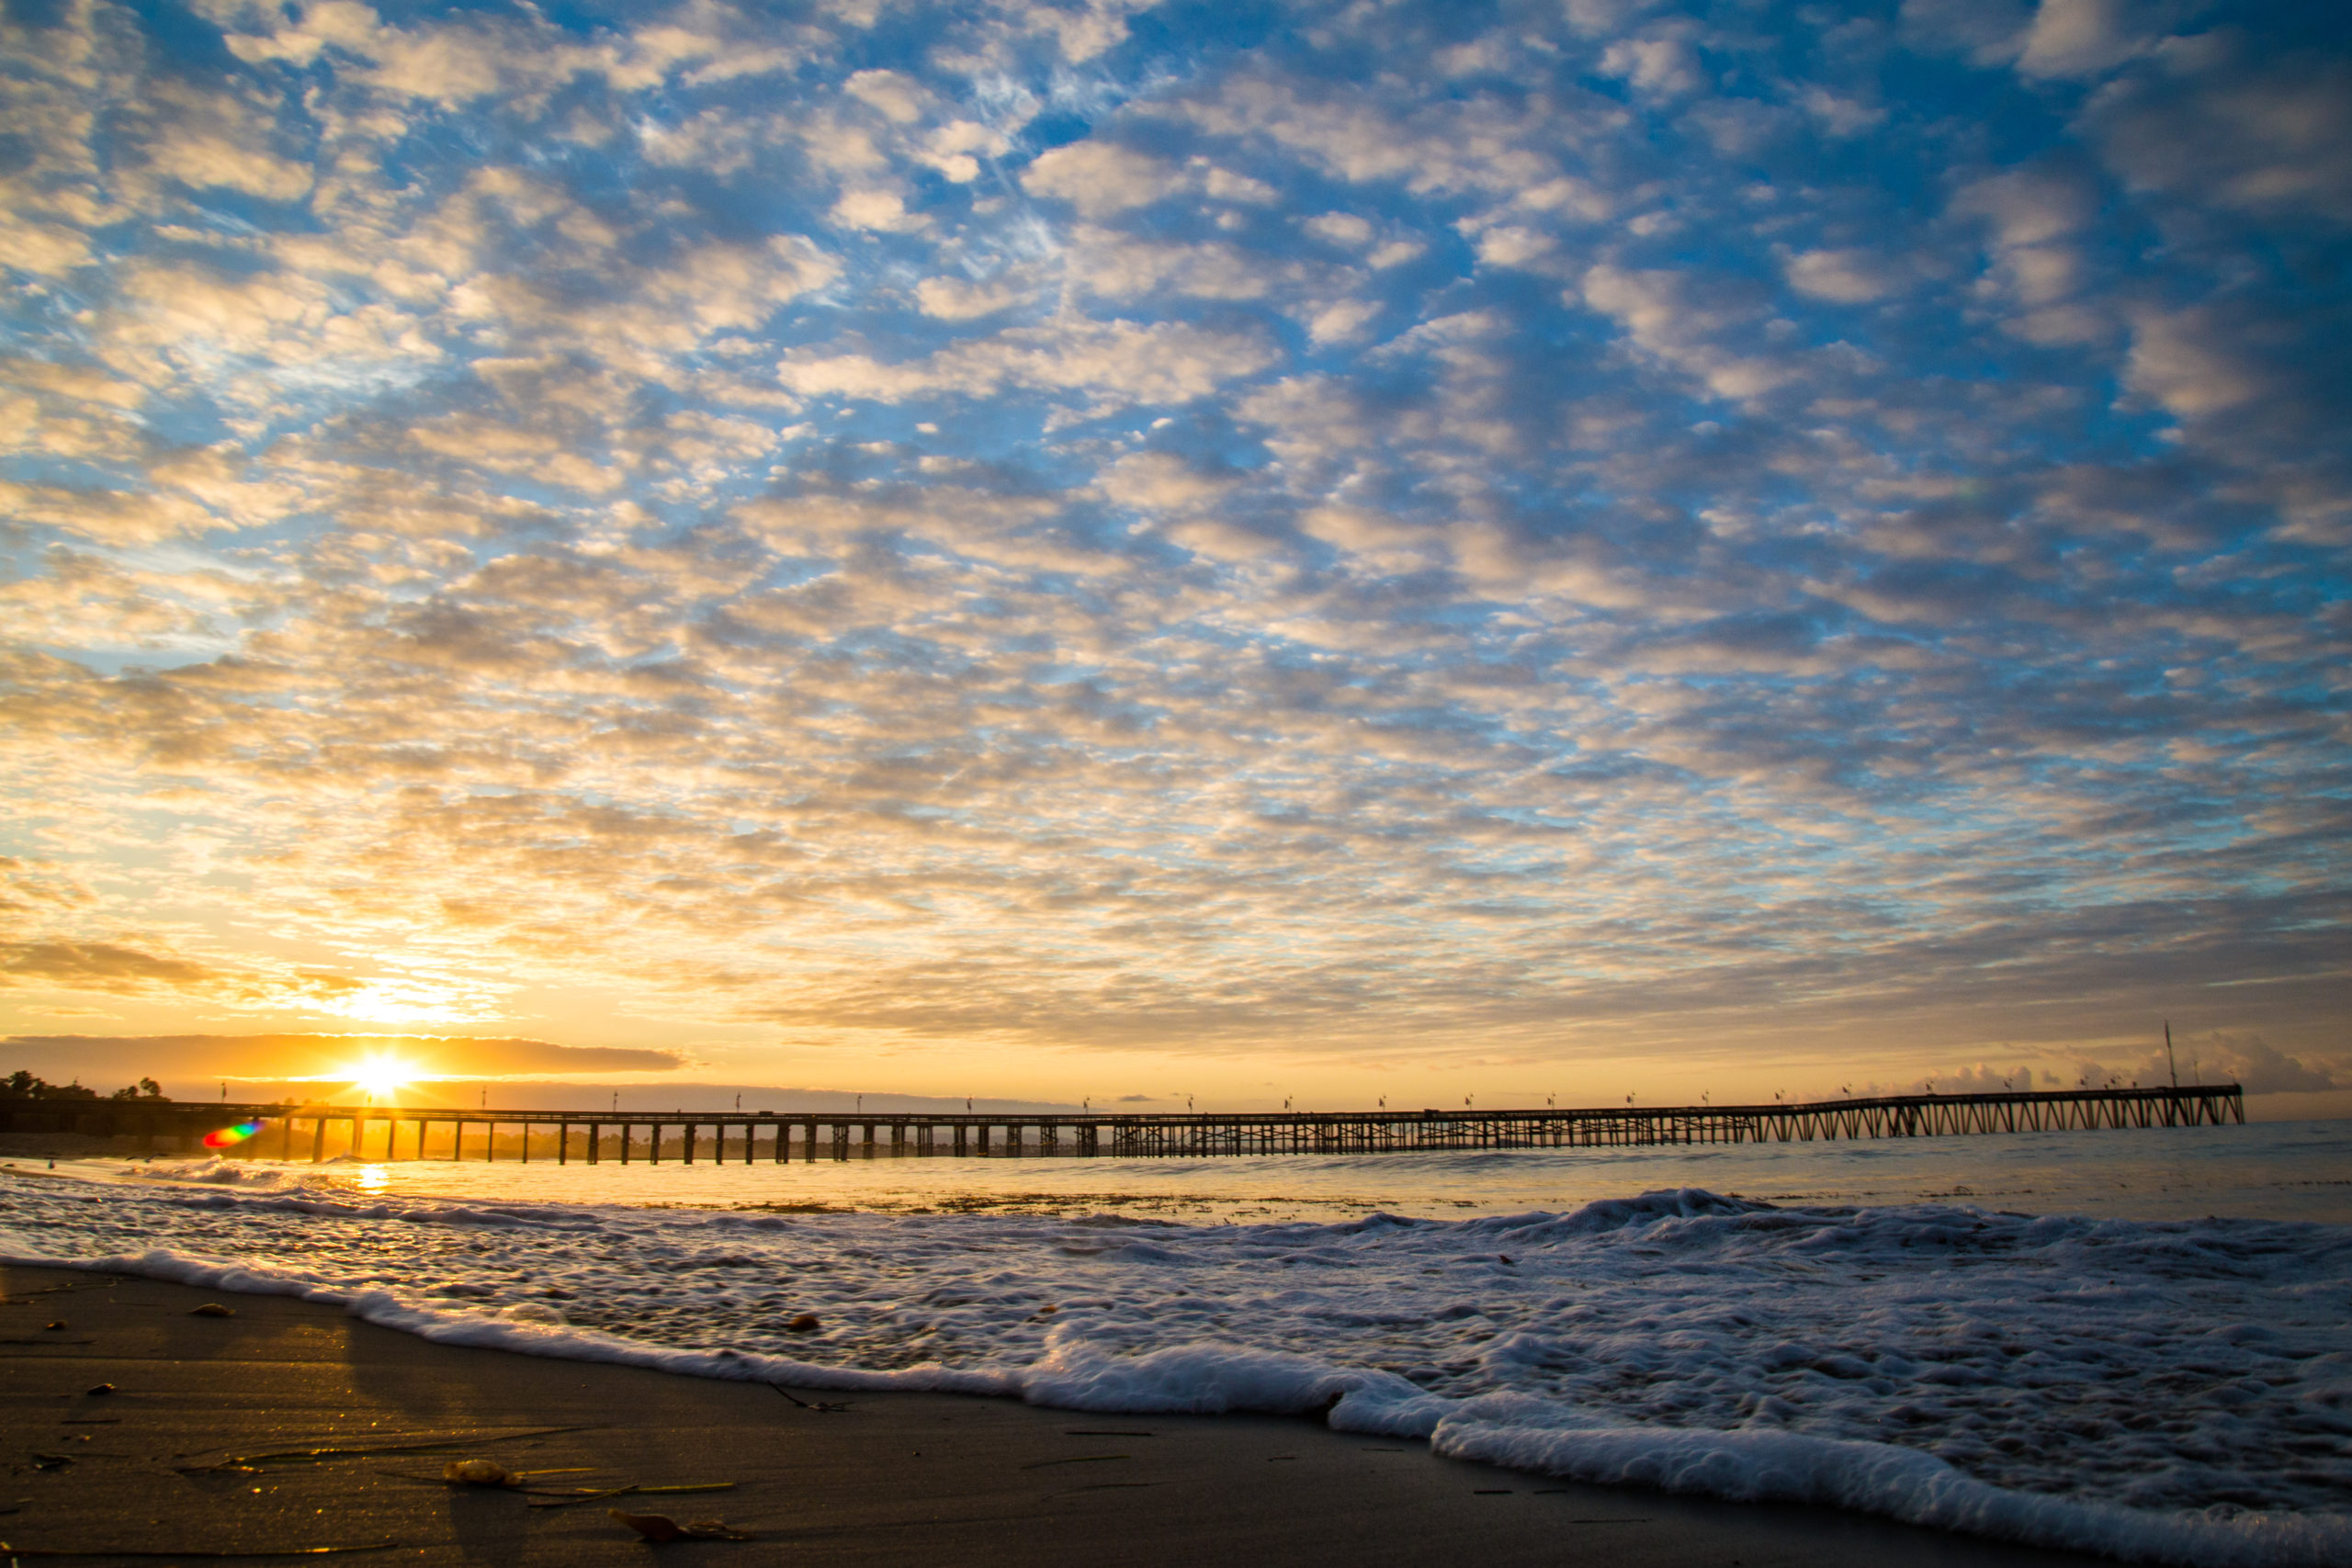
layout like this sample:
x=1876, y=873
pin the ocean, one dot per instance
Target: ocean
x=2134, y=1343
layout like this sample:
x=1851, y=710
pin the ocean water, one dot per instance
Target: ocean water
x=2274, y=1170
x=2132, y=1343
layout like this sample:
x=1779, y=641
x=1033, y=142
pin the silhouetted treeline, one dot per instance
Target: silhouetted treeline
x=22, y=1085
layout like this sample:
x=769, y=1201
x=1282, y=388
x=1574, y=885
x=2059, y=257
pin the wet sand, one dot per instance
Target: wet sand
x=897, y=1478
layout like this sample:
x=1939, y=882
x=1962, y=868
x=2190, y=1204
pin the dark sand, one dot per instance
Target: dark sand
x=900, y=1478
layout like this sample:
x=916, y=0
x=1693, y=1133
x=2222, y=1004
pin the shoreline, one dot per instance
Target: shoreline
x=980, y=1480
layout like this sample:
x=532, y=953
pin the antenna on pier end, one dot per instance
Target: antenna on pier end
x=2170, y=1060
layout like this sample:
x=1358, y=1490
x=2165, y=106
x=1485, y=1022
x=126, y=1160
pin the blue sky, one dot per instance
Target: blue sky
x=1333, y=550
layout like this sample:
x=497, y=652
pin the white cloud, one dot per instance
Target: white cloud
x=1850, y=274
x=1511, y=245
x=1343, y=321
x=2213, y=123
x=1113, y=362
x=900, y=96
x=1100, y=178
x=1685, y=321
x=885, y=210
x=2040, y=268
x=965, y=298
x=2081, y=38
x=1339, y=228
x=1162, y=482
x=1114, y=267
x=2196, y=363
x=1658, y=67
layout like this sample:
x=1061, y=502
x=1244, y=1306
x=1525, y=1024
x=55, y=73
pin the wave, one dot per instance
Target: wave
x=2149, y=1392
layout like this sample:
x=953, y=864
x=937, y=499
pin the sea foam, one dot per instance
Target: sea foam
x=2170, y=1392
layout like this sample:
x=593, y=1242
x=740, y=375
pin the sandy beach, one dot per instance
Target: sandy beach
x=894, y=1478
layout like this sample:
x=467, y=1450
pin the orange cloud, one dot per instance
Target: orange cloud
x=96, y=1057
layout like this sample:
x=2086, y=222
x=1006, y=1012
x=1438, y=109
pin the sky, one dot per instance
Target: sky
x=1114, y=550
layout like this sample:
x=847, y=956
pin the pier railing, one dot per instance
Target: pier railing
x=320, y=1132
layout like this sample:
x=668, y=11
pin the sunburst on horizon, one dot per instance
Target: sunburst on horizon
x=383, y=1076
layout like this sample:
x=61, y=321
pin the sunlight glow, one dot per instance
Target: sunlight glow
x=413, y=1000
x=382, y=1077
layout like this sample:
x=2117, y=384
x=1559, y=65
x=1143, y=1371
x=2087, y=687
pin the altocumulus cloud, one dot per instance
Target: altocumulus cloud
x=1180, y=526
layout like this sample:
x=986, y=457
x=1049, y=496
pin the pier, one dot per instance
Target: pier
x=322, y=1131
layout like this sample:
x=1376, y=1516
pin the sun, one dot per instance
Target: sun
x=381, y=1076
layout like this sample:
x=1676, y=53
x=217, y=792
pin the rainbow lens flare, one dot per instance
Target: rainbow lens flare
x=230, y=1137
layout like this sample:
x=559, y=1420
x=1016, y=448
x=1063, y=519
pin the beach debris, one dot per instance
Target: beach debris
x=804, y=1323
x=477, y=1473
x=214, y=1309
x=821, y=1407
x=52, y=1462
x=661, y=1528
x=251, y=1462
x=489, y=1473
x=53, y=1327
x=95, y=1389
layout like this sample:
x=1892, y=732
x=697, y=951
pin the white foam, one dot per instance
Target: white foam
x=1899, y=1482
x=2169, y=1391
x=214, y=1170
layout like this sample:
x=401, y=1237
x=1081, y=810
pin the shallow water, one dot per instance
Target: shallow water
x=2295, y=1170
x=2043, y=1337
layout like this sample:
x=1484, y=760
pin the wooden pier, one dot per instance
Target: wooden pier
x=320, y=1132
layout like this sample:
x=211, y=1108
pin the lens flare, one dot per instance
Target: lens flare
x=230, y=1137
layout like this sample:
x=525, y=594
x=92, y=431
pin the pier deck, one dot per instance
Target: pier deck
x=318, y=1132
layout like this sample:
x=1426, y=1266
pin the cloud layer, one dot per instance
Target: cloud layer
x=327, y=1061
x=1532, y=529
